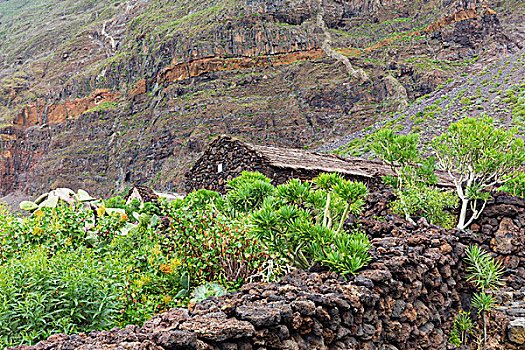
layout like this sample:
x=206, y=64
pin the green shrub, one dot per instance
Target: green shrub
x=461, y=328
x=415, y=181
x=485, y=274
x=304, y=223
x=69, y=292
x=247, y=192
x=198, y=199
x=478, y=156
x=466, y=101
x=516, y=186
x=212, y=247
x=53, y=228
x=153, y=281
x=347, y=253
x=427, y=202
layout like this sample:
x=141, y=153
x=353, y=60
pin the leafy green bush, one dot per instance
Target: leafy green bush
x=415, y=180
x=427, y=202
x=515, y=186
x=200, y=199
x=478, y=156
x=212, y=247
x=153, y=282
x=54, y=228
x=303, y=223
x=461, y=328
x=200, y=245
x=69, y=292
x=61, y=228
x=247, y=192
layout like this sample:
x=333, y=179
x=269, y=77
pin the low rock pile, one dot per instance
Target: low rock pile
x=515, y=313
x=500, y=230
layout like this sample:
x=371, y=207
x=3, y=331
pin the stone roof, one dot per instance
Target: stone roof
x=293, y=158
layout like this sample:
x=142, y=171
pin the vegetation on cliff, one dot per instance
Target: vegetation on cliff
x=250, y=63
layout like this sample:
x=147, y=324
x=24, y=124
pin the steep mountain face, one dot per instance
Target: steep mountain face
x=101, y=94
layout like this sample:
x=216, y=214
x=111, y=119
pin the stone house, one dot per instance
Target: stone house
x=226, y=157
x=147, y=195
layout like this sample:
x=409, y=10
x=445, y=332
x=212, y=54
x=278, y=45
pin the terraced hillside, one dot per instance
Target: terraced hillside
x=102, y=94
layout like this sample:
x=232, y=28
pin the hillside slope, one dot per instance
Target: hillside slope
x=101, y=94
x=496, y=91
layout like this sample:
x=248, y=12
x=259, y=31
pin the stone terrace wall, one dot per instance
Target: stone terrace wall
x=405, y=299
x=500, y=229
x=235, y=157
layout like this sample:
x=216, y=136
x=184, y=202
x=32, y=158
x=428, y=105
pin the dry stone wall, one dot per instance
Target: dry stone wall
x=500, y=229
x=405, y=299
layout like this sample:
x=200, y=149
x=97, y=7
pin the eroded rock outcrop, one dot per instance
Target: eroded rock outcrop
x=39, y=114
x=253, y=69
x=186, y=70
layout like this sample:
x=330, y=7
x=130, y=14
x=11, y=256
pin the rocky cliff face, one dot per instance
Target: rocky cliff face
x=139, y=88
x=42, y=114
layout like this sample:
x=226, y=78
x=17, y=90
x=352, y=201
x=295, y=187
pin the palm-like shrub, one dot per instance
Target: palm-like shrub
x=485, y=274
x=247, y=192
x=303, y=222
x=347, y=252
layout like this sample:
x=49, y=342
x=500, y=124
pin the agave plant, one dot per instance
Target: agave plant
x=207, y=290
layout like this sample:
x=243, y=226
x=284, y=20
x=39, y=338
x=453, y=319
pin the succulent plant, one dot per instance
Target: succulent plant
x=52, y=198
x=207, y=290
x=65, y=195
x=185, y=286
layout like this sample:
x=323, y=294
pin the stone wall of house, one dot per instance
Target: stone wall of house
x=224, y=160
x=406, y=298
